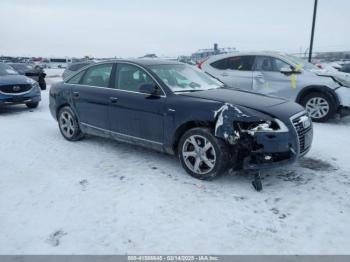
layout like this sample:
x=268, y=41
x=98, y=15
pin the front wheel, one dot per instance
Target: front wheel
x=202, y=155
x=68, y=124
x=320, y=106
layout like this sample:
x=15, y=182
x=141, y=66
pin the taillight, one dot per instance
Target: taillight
x=199, y=64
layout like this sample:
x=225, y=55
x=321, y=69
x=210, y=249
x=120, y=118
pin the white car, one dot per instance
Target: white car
x=323, y=93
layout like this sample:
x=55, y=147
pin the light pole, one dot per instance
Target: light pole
x=313, y=30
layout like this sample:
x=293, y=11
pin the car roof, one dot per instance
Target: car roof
x=261, y=53
x=146, y=62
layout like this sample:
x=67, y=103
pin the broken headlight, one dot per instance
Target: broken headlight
x=274, y=125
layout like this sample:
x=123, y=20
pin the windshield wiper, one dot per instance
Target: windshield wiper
x=188, y=90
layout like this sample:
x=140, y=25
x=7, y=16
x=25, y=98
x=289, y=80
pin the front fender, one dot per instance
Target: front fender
x=218, y=115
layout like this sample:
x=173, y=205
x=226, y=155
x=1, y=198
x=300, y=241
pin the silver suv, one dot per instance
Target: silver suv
x=321, y=92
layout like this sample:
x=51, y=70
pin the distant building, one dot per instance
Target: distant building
x=204, y=53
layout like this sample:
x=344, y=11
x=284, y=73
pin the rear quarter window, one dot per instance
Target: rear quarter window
x=76, y=79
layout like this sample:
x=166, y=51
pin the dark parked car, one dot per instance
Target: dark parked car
x=345, y=68
x=17, y=89
x=75, y=67
x=175, y=108
x=32, y=71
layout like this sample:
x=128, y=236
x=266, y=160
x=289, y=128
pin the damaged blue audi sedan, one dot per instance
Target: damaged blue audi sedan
x=177, y=109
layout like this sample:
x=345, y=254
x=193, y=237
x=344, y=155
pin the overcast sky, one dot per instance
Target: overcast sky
x=132, y=28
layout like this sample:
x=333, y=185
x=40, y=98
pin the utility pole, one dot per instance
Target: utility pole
x=313, y=30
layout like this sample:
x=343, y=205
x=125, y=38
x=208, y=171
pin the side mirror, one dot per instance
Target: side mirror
x=150, y=89
x=286, y=70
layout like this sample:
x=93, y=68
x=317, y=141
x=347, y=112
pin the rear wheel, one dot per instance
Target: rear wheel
x=32, y=104
x=68, y=124
x=320, y=106
x=42, y=84
x=202, y=155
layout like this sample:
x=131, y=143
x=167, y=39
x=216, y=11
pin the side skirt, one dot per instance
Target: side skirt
x=96, y=131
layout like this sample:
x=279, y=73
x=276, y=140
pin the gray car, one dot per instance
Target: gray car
x=322, y=93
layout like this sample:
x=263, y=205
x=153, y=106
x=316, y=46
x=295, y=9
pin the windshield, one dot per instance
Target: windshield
x=303, y=63
x=6, y=70
x=185, y=78
x=22, y=67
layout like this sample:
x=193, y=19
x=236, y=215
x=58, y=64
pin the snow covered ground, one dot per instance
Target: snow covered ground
x=98, y=196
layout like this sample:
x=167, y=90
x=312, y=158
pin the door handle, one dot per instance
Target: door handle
x=113, y=100
x=76, y=94
x=224, y=74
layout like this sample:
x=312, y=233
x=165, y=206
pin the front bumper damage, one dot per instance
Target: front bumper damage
x=273, y=150
x=262, y=142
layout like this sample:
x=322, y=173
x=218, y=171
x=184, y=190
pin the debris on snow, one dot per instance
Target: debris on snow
x=55, y=237
x=83, y=184
x=316, y=164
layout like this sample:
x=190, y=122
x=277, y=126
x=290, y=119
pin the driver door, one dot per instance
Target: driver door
x=267, y=78
x=134, y=115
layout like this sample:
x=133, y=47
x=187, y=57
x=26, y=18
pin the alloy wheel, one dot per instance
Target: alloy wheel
x=317, y=107
x=67, y=124
x=199, y=154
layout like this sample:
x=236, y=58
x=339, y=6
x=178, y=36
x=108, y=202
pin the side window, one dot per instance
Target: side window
x=267, y=63
x=76, y=79
x=241, y=63
x=130, y=78
x=279, y=64
x=98, y=75
x=220, y=64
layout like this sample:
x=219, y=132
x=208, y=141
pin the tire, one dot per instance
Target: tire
x=68, y=124
x=217, y=156
x=320, y=106
x=42, y=84
x=32, y=104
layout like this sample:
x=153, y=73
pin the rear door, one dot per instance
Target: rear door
x=91, y=95
x=235, y=71
x=267, y=78
x=134, y=115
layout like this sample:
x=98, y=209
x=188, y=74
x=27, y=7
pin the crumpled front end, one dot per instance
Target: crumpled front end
x=261, y=141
